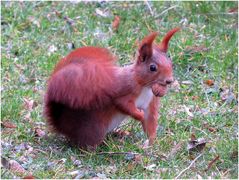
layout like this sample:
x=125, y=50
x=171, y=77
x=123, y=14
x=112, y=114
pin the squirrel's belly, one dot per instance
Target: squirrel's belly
x=116, y=121
x=142, y=102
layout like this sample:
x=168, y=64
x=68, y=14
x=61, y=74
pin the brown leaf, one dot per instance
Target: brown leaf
x=212, y=162
x=193, y=137
x=130, y=166
x=209, y=82
x=233, y=10
x=211, y=129
x=195, y=98
x=28, y=104
x=196, y=145
x=120, y=133
x=138, y=158
x=116, y=22
x=14, y=166
x=8, y=124
x=39, y=132
x=29, y=177
x=234, y=155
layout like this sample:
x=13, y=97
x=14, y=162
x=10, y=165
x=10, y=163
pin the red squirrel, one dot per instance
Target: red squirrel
x=88, y=95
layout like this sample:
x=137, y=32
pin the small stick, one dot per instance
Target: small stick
x=212, y=162
x=188, y=166
x=116, y=153
x=166, y=10
x=150, y=9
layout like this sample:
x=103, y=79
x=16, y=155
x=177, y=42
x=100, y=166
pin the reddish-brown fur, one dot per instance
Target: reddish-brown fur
x=87, y=91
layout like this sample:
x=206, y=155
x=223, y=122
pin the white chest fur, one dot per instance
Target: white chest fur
x=142, y=102
x=144, y=99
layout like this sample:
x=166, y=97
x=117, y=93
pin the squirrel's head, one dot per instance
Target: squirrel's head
x=153, y=65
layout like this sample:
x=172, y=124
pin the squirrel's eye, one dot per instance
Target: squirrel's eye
x=153, y=67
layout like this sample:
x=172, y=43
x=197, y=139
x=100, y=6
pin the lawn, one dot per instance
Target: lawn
x=201, y=105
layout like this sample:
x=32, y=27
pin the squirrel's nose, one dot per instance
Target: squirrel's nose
x=169, y=81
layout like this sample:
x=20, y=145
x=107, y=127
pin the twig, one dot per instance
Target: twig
x=188, y=166
x=150, y=9
x=229, y=13
x=212, y=162
x=166, y=10
x=116, y=153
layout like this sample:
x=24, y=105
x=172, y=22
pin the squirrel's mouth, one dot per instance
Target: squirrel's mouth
x=159, y=90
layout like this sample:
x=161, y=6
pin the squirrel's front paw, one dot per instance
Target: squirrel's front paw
x=139, y=115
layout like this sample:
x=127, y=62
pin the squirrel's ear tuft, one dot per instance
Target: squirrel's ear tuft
x=163, y=46
x=146, y=47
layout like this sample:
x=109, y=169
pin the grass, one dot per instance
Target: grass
x=29, y=29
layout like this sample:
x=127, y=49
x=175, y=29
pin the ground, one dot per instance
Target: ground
x=201, y=107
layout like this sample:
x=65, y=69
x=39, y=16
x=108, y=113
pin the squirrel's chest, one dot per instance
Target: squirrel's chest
x=142, y=102
x=144, y=99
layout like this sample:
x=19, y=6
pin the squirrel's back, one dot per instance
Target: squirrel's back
x=81, y=82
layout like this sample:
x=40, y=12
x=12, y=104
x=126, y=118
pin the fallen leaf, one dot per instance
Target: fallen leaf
x=39, y=132
x=233, y=10
x=138, y=158
x=129, y=156
x=116, y=22
x=203, y=111
x=161, y=170
x=14, y=166
x=120, y=133
x=101, y=175
x=29, y=177
x=130, y=167
x=146, y=144
x=34, y=21
x=196, y=145
x=63, y=160
x=75, y=161
x=209, y=82
x=211, y=129
x=73, y=173
x=69, y=20
x=28, y=104
x=212, y=162
x=58, y=14
x=227, y=95
x=80, y=175
x=187, y=110
x=110, y=169
x=102, y=13
x=150, y=167
x=193, y=137
x=52, y=49
x=8, y=124
x=175, y=149
x=234, y=155
x=195, y=98
x=4, y=162
x=175, y=86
